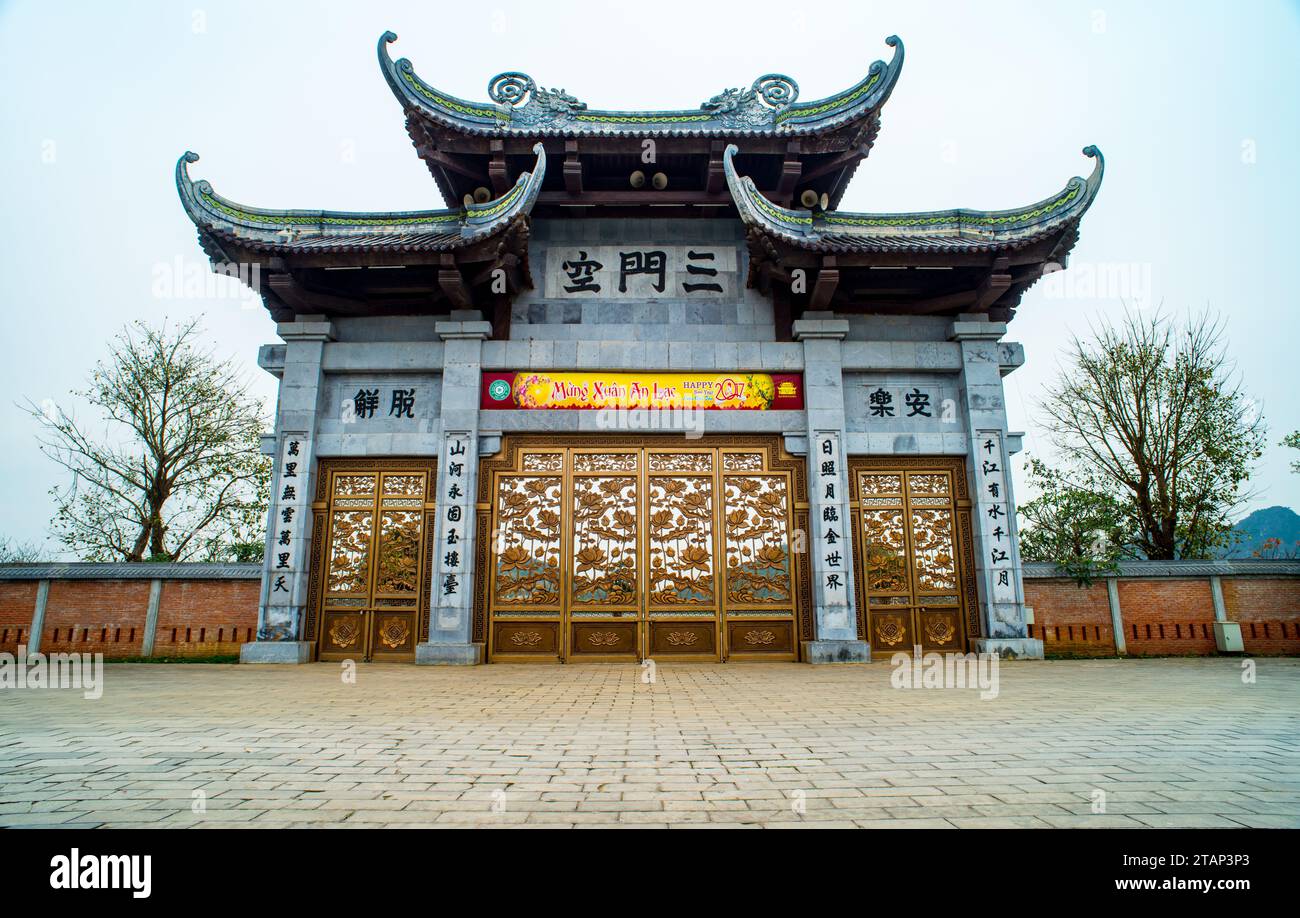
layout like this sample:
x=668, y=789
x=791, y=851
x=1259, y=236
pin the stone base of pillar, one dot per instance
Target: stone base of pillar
x=1227, y=637
x=277, y=652
x=836, y=652
x=1010, y=648
x=449, y=654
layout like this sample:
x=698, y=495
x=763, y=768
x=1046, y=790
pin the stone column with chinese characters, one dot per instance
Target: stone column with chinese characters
x=996, y=536
x=451, y=586
x=282, y=607
x=829, y=544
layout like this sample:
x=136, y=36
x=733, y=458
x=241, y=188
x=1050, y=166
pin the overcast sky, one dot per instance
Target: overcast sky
x=1195, y=106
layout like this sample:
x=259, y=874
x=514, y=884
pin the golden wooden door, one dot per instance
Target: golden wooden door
x=914, y=567
x=373, y=589
x=625, y=552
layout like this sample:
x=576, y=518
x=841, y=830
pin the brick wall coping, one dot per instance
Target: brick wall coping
x=1046, y=570
x=80, y=570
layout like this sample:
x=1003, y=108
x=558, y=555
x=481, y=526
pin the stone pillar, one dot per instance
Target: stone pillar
x=830, y=543
x=451, y=588
x=998, y=574
x=38, y=617
x=150, y=636
x=1116, y=616
x=282, y=607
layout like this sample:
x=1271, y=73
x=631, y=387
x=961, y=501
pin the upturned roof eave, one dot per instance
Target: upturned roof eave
x=957, y=230
x=266, y=230
x=521, y=108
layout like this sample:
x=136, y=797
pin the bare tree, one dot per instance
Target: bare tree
x=177, y=473
x=12, y=552
x=1150, y=413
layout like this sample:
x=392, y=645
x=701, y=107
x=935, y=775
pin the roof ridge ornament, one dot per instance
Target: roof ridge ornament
x=519, y=106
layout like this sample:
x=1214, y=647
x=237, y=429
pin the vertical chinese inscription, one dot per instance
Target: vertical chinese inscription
x=828, y=558
x=993, y=509
x=287, y=520
x=449, y=587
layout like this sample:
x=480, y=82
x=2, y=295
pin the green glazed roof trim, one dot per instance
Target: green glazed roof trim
x=448, y=102
x=287, y=218
x=209, y=211
x=822, y=230
x=768, y=106
x=829, y=103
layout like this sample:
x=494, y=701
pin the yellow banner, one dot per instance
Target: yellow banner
x=698, y=391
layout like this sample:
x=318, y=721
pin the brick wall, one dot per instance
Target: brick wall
x=206, y=617
x=1164, y=614
x=198, y=616
x=17, y=599
x=1071, y=620
x=1172, y=616
x=1268, y=609
x=96, y=616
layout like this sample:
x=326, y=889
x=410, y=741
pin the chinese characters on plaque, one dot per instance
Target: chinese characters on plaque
x=830, y=525
x=992, y=508
x=640, y=272
x=289, y=503
x=451, y=586
x=370, y=402
x=904, y=402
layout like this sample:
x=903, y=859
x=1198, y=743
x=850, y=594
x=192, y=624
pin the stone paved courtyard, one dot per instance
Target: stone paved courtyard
x=1171, y=742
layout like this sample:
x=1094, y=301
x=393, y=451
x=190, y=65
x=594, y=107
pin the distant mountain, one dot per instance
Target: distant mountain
x=1270, y=523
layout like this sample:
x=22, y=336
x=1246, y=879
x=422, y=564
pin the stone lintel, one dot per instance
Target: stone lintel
x=306, y=328
x=966, y=328
x=464, y=330
x=819, y=325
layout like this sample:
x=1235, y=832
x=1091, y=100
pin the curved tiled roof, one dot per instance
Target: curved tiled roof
x=934, y=231
x=341, y=231
x=769, y=107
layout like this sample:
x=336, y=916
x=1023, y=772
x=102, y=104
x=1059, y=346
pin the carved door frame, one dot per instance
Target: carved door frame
x=390, y=635
x=923, y=624
x=774, y=630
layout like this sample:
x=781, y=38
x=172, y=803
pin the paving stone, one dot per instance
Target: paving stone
x=1170, y=742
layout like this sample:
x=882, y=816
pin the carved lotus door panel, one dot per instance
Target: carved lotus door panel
x=914, y=568
x=622, y=553
x=373, y=589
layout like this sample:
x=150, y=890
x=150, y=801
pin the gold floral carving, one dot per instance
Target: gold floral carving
x=602, y=638
x=528, y=541
x=682, y=638
x=939, y=630
x=604, y=541
x=680, y=522
x=344, y=632
x=393, y=632
x=758, y=638
x=757, y=530
x=526, y=638
x=890, y=629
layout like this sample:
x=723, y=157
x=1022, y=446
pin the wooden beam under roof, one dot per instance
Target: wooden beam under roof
x=572, y=167
x=828, y=279
x=452, y=283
